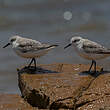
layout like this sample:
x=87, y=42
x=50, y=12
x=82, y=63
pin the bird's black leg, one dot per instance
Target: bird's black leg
x=34, y=63
x=94, y=66
x=31, y=62
x=102, y=70
x=91, y=65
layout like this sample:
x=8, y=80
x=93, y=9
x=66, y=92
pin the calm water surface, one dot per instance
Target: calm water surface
x=44, y=20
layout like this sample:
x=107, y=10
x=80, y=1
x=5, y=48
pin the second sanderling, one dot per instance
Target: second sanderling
x=89, y=50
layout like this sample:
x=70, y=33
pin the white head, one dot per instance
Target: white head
x=75, y=41
x=12, y=40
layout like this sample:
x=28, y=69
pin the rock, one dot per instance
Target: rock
x=56, y=85
x=97, y=96
x=13, y=102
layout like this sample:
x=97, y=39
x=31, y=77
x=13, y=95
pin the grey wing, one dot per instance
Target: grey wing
x=32, y=46
x=29, y=45
x=93, y=47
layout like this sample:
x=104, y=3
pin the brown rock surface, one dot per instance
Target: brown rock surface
x=13, y=102
x=97, y=96
x=65, y=86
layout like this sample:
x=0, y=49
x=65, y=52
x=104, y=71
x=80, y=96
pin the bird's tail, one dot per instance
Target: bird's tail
x=105, y=52
x=53, y=46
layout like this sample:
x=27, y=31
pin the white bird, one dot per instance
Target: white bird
x=89, y=50
x=28, y=48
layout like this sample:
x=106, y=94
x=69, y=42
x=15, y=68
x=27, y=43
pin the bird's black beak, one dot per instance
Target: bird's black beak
x=6, y=45
x=67, y=46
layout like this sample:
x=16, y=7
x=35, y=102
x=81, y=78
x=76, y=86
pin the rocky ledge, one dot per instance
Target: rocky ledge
x=65, y=86
x=13, y=102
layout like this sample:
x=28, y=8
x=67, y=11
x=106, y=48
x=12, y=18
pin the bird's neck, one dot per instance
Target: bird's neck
x=79, y=46
x=15, y=44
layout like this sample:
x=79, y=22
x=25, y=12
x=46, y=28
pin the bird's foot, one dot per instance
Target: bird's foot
x=31, y=68
x=26, y=67
x=93, y=72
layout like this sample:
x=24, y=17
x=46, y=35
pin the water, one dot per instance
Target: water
x=47, y=21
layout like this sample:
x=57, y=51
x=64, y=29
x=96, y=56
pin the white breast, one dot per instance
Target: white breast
x=34, y=54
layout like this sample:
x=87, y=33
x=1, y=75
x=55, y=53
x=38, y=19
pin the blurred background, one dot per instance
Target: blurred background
x=50, y=21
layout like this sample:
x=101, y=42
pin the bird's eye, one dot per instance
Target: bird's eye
x=77, y=40
x=12, y=40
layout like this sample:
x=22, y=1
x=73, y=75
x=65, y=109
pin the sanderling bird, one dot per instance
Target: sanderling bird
x=89, y=50
x=28, y=48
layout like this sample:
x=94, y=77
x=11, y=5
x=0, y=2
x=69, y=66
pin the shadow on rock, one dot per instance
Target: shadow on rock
x=94, y=74
x=32, y=70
